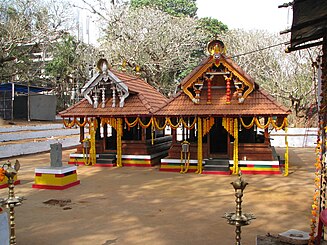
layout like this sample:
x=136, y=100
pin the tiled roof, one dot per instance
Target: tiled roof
x=208, y=61
x=143, y=100
x=257, y=103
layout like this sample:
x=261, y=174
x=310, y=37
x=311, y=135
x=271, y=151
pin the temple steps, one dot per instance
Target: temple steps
x=216, y=166
x=106, y=160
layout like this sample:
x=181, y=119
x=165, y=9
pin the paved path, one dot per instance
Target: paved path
x=28, y=139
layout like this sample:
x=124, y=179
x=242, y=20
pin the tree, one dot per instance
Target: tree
x=70, y=67
x=163, y=45
x=287, y=77
x=212, y=27
x=179, y=8
x=28, y=27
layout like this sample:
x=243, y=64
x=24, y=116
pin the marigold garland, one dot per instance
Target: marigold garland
x=156, y=123
x=2, y=174
x=284, y=124
x=264, y=126
x=249, y=125
x=199, y=166
x=235, y=152
x=316, y=195
x=207, y=125
x=286, y=150
x=119, y=129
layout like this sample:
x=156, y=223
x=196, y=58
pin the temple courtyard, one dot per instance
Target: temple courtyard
x=130, y=206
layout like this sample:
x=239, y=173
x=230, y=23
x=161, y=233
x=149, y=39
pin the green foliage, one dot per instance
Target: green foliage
x=177, y=8
x=64, y=57
x=212, y=27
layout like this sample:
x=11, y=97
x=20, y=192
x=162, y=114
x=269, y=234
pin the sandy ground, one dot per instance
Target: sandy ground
x=128, y=206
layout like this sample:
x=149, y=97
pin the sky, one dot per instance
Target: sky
x=248, y=14
x=242, y=14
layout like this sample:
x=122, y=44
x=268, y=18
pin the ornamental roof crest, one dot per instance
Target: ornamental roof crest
x=104, y=85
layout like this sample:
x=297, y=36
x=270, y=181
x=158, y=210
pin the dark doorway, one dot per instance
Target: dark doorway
x=218, y=139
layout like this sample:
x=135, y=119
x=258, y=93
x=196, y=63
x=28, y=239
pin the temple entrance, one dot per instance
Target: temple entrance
x=218, y=140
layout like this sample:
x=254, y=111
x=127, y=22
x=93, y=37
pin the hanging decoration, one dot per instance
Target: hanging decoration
x=235, y=151
x=207, y=125
x=119, y=129
x=228, y=124
x=228, y=91
x=209, y=81
x=286, y=151
x=92, y=153
x=316, y=195
x=199, y=166
x=75, y=121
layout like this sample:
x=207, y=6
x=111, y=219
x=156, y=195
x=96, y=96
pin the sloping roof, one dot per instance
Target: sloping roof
x=207, y=62
x=309, y=21
x=143, y=100
x=257, y=103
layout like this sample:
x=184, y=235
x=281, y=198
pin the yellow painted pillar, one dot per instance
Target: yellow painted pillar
x=119, y=130
x=286, y=150
x=235, y=155
x=200, y=156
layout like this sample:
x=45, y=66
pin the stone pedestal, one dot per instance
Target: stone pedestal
x=56, y=176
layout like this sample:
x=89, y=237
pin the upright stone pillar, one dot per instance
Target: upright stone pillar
x=56, y=176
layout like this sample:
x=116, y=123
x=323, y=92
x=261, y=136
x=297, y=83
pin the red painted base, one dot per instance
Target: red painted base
x=17, y=182
x=53, y=187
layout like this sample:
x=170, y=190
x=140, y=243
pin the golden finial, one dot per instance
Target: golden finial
x=137, y=70
x=123, y=66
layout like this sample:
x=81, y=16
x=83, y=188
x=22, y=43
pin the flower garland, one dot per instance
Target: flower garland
x=172, y=125
x=284, y=124
x=156, y=123
x=286, y=150
x=92, y=130
x=199, y=166
x=264, y=126
x=249, y=125
x=119, y=129
x=2, y=174
x=75, y=121
x=69, y=124
x=316, y=195
x=235, y=152
x=207, y=125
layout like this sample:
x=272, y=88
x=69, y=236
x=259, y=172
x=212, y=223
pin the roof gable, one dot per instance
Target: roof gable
x=217, y=64
x=142, y=99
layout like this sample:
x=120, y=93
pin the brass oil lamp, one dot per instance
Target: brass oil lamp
x=238, y=218
x=12, y=201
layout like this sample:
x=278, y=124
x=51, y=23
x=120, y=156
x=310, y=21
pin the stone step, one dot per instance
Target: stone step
x=107, y=156
x=216, y=165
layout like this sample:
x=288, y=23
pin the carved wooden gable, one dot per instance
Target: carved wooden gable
x=218, y=71
x=104, y=85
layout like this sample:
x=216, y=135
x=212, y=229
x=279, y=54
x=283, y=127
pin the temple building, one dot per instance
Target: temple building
x=218, y=123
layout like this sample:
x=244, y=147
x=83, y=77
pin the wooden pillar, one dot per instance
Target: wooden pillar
x=119, y=142
x=105, y=133
x=81, y=131
x=200, y=156
x=174, y=134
